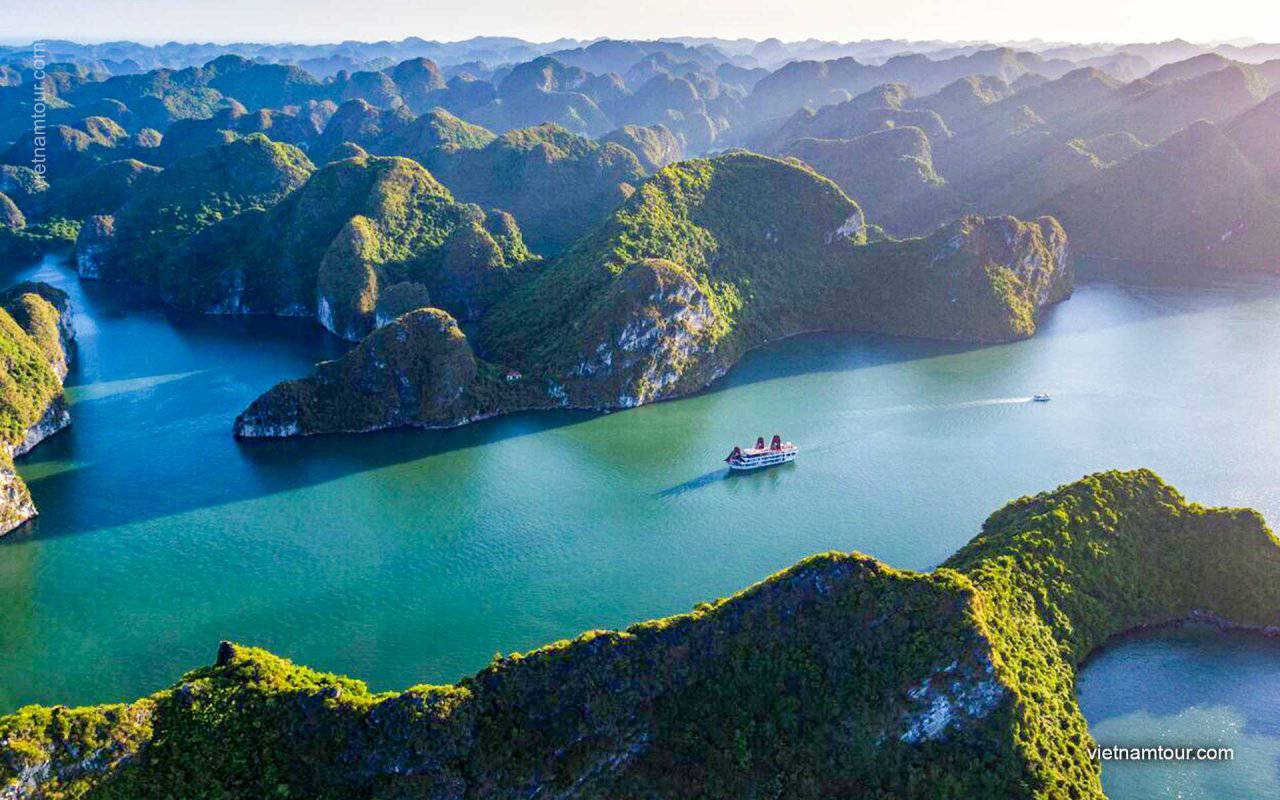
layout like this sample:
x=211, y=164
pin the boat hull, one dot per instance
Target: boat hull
x=763, y=462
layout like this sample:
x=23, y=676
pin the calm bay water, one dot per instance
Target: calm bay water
x=409, y=557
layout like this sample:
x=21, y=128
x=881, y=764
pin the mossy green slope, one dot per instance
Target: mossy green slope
x=838, y=677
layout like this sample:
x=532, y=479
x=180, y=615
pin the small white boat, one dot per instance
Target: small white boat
x=758, y=457
x=1041, y=398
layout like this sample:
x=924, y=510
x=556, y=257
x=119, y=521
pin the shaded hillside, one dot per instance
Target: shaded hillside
x=557, y=184
x=890, y=172
x=654, y=145
x=1194, y=199
x=880, y=108
x=840, y=676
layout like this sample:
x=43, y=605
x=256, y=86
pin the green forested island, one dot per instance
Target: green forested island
x=840, y=675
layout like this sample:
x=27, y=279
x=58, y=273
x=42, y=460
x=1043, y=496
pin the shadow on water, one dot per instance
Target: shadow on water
x=264, y=468
x=706, y=479
x=719, y=475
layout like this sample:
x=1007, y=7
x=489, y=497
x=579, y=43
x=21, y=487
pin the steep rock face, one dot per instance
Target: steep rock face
x=16, y=505
x=837, y=677
x=418, y=370
x=773, y=250
x=731, y=247
x=35, y=344
x=648, y=333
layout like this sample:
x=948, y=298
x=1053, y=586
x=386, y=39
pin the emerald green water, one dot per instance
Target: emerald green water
x=407, y=557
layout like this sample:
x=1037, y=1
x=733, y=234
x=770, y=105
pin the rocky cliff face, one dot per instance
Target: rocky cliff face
x=837, y=677
x=36, y=338
x=652, y=333
x=16, y=506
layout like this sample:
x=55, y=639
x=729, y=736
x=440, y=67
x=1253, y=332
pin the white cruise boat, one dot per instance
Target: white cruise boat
x=758, y=457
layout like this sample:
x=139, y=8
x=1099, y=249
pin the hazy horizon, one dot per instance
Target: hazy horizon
x=329, y=21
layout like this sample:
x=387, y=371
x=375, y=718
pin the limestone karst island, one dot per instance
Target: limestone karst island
x=694, y=401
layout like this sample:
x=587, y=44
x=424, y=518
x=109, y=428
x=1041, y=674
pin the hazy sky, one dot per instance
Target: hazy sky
x=335, y=20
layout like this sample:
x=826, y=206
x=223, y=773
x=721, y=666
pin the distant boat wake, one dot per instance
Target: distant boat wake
x=916, y=407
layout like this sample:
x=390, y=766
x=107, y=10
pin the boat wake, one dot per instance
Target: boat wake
x=916, y=408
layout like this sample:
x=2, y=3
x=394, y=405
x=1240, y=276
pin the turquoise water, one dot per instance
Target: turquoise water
x=406, y=557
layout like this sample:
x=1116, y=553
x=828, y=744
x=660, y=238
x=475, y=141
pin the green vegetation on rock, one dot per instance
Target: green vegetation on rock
x=35, y=338
x=655, y=145
x=417, y=370
x=839, y=676
x=890, y=171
